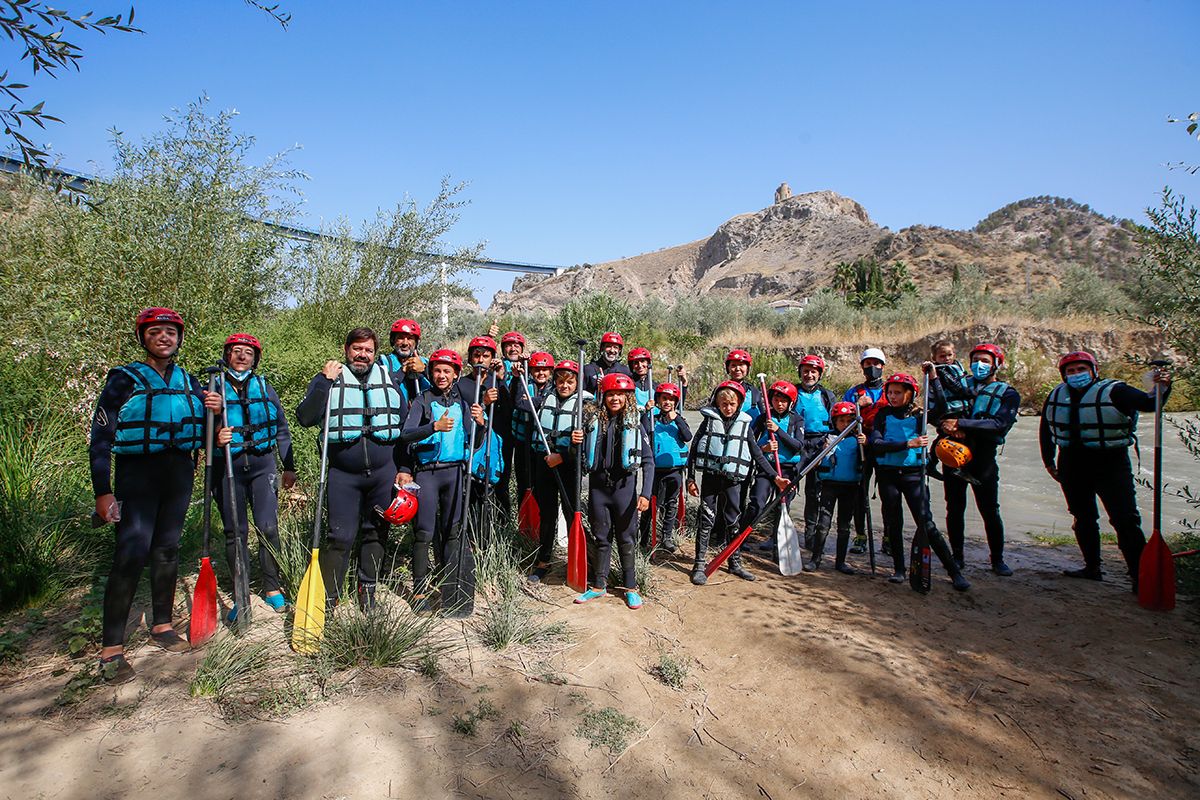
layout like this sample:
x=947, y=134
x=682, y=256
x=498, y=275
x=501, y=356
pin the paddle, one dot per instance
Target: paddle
x=865, y=494
x=308, y=623
x=241, y=572
x=791, y=559
x=920, y=576
x=576, y=541
x=732, y=547
x=1156, y=569
x=486, y=512
x=459, y=601
x=204, y=596
x=529, y=515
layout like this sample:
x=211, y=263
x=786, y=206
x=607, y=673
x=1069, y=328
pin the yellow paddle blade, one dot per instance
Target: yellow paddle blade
x=309, y=621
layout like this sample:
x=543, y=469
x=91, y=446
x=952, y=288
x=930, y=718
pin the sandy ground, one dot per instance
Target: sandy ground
x=820, y=685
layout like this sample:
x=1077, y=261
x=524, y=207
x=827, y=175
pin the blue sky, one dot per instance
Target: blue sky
x=592, y=131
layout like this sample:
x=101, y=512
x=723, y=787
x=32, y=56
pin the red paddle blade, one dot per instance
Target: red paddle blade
x=577, y=555
x=204, y=605
x=1156, y=576
x=729, y=550
x=654, y=522
x=529, y=517
x=681, y=513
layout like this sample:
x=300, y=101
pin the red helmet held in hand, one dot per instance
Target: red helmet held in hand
x=403, y=508
x=616, y=382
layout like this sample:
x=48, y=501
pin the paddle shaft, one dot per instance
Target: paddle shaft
x=323, y=478
x=241, y=578
x=209, y=435
x=762, y=380
x=865, y=493
x=537, y=422
x=579, y=426
x=1158, y=420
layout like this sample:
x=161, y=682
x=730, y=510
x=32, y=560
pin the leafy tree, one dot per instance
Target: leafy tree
x=867, y=283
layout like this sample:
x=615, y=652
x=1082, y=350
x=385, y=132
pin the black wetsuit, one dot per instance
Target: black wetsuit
x=613, y=492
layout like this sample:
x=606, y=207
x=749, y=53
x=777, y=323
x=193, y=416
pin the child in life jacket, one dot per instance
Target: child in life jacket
x=950, y=395
x=841, y=487
x=780, y=434
x=556, y=416
x=725, y=453
x=899, y=446
x=616, y=451
x=671, y=437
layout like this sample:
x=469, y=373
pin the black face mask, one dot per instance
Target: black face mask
x=872, y=374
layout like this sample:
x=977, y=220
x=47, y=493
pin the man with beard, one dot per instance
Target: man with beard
x=366, y=418
x=607, y=362
x=405, y=366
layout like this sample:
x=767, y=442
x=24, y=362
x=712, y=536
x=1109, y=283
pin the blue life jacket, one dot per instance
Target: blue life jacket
x=1098, y=423
x=444, y=447
x=725, y=451
x=493, y=461
x=159, y=415
x=253, y=417
x=843, y=465
x=395, y=367
x=670, y=451
x=956, y=389
x=813, y=408
x=988, y=399
x=642, y=396
x=786, y=454
x=900, y=429
x=631, y=446
x=368, y=408
x=522, y=417
x=558, y=419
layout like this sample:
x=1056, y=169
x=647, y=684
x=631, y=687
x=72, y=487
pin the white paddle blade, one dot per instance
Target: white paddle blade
x=791, y=557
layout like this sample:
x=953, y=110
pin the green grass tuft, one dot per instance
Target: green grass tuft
x=607, y=728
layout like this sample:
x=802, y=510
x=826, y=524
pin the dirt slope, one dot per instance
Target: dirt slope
x=822, y=686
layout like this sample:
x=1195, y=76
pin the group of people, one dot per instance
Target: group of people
x=416, y=433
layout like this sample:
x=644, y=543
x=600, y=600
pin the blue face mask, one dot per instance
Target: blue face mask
x=240, y=375
x=980, y=369
x=1080, y=380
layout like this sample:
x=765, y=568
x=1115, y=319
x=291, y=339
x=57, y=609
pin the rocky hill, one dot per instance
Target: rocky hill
x=787, y=251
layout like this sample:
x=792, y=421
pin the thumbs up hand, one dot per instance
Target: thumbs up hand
x=444, y=424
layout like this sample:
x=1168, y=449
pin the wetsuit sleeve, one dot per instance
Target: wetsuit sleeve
x=851, y=395
x=311, y=411
x=937, y=398
x=1129, y=400
x=647, y=464
x=876, y=441
x=1006, y=417
x=1046, y=441
x=402, y=457
x=691, y=461
x=118, y=386
x=283, y=434
x=419, y=423
x=760, y=458
x=685, y=432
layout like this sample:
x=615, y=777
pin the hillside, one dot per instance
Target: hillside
x=787, y=251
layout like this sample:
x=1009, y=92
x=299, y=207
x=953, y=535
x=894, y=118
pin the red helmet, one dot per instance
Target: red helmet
x=739, y=356
x=408, y=326
x=639, y=354
x=486, y=342
x=813, y=360
x=1077, y=357
x=246, y=339
x=612, y=338
x=616, y=382
x=669, y=389
x=445, y=356
x=513, y=337
x=842, y=409
x=569, y=366
x=784, y=388
x=157, y=316
x=904, y=379
x=402, y=509
x=985, y=347
x=541, y=359
x=735, y=386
